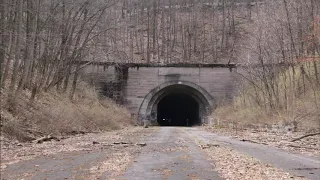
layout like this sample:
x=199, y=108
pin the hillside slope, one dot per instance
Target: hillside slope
x=54, y=113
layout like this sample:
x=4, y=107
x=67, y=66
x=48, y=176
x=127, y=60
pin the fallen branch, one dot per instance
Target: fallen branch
x=122, y=143
x=206, y=146
x=141, y=144
x=248, y=140
x=307, y=135
x=126, y=144
x=305, y=147
x=45, y=138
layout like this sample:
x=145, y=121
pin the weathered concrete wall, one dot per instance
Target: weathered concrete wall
x=218, y=82
x=109, y=81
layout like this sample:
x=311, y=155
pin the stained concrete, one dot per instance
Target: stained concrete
x=141, y=89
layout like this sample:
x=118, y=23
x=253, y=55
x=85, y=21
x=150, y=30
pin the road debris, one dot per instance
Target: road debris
x=206, y=146
x=236, y=166
x=305, y=143
x=141, y=144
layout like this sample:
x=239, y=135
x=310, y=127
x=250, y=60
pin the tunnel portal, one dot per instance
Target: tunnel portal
x=176, y=103
x=178, y=109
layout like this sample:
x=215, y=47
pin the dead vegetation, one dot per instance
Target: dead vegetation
x=280, y=87
x=296, y=107
x=234, y=165
x=13, y=152
x=54, y=114
x=116, y=151
x=303, y=117
x=288, y=141
x=40, y=88
x=282, y=112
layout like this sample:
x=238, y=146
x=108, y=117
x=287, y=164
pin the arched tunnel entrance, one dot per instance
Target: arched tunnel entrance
x=178, y=109
x=176, y=103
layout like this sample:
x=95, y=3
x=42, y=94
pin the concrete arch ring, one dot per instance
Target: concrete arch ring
x=204, y=99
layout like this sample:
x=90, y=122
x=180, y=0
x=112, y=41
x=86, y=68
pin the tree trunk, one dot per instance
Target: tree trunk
x=74, y=82
x=17, y=56
x=30, y=40
x=223, y=25
x=2, y=38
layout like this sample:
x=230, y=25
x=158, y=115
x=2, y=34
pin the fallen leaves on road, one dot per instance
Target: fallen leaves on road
x=12, y=152
x=114, y=165
x=165, y=172
x=233, y=165
x=309, y=145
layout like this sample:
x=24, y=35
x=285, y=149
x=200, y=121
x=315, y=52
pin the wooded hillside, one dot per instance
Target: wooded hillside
x=42, y=41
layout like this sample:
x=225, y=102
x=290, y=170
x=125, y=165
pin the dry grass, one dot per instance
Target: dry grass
x=305, y=114
x=54, y=113
x=298, y=104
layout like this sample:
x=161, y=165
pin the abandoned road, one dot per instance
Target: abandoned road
x=173, y=155
x=170, y=153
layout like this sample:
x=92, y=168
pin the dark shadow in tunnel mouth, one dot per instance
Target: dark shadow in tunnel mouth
x=178, y=109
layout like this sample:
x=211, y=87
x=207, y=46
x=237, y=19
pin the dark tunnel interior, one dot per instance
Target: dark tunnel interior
x=178, y=109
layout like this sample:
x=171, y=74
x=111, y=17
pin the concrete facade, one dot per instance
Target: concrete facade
x=140, y=89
